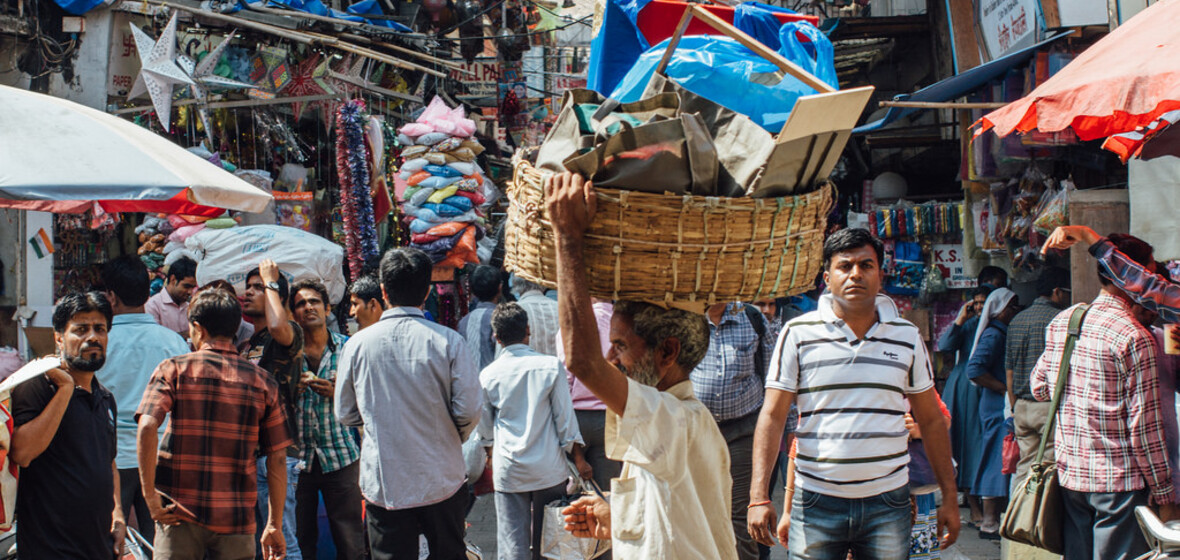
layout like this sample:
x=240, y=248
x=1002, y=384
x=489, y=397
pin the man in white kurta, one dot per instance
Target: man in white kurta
x=672, y=498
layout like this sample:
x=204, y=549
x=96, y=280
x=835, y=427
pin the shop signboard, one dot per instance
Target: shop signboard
x=561, y=83
x=124, y=60
x=481, y=76
x=949, y=258
x=1006, y=24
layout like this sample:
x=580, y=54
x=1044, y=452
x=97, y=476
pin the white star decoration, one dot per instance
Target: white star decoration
x=203, y=74
x=204, y=78
x=159, y=72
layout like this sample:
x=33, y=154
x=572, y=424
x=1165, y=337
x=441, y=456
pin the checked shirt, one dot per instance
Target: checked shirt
x=726, y=380
x=324, y=438
x=223, y=410
x=1110, y=433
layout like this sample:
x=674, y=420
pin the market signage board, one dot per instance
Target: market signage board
x=124, y=61
x=484, y=77
x=1007, y=24
x=949, y=258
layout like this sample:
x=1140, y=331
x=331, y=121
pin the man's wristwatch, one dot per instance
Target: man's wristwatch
x=272, y=286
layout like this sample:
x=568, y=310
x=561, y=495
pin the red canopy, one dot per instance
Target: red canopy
x=1124, y=81
x=659, y=18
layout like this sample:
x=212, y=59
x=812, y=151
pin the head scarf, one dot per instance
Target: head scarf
x=996, y=302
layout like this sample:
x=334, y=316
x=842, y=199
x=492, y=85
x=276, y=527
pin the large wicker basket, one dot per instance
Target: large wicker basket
x=677, y=251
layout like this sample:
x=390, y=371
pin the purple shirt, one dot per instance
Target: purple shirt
x=584, y=399
x=167, y=313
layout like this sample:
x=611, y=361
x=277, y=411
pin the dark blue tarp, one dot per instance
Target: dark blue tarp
x=956, y=86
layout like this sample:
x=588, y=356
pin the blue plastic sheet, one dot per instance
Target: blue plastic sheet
x=725, y=72
x=619, y=42
x=617, y=46
x=78, y=7
x=758, y=21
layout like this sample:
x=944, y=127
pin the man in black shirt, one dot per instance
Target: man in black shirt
x=64, y=441
x=277, y=347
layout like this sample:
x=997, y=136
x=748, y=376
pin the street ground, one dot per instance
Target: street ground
x=482, y=533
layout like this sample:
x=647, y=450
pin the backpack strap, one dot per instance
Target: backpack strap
x=759, y=323
x=1075, y=329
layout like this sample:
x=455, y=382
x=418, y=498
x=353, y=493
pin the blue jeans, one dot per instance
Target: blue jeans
x=294, y=465
x=873, y=528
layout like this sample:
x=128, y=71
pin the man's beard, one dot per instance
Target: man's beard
x=644, y=370
x=79, y=363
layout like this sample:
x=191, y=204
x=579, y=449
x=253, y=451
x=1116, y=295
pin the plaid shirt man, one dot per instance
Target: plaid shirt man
x=1110, y=435
x=1026, y=343
x=323, y=437
x=223, y=409
x=726, y=380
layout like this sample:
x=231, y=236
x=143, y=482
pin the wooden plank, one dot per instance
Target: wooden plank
x=962, y=16
x=825, y=112
x=1052, y=14
x=680, y=28
x=1105, y=211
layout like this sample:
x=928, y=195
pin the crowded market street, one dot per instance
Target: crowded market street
x=576, y=279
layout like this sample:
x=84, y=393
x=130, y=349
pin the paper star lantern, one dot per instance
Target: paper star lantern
x=309, y=78
x=203, y=74
x=352, y=67
x=159, y=72
x=204, y=79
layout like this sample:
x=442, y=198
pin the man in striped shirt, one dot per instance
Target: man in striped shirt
x=852, y=365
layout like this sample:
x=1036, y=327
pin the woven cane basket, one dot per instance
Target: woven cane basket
x=676, y=251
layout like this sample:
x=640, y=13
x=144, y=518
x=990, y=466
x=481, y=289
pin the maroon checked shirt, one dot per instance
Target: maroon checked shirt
x=223, y=410
x=1110, y=434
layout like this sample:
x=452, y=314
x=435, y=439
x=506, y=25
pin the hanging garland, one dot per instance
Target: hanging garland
x=352, y=165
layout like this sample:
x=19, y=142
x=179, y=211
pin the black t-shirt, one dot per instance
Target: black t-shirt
x=285, y=364
x=66, y=495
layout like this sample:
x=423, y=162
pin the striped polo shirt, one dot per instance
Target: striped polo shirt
x=851, y=393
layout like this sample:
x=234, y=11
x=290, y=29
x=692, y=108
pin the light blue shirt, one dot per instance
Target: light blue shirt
x=529, y=415
x=135, y=346
x=414, y=387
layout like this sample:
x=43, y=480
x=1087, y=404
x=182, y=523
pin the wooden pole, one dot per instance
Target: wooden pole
x=372, y=54
x=239, y=103
x=306, y=38
x=264, y=27
x=762, y=50
x=403, y=50
x=301, y=15
x=942, y=105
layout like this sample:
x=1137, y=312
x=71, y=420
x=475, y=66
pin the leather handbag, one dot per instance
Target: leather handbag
x=1035, y=513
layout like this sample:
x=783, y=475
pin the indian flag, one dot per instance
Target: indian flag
x=42, y=244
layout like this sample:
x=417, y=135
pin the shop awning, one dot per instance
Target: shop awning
x=1122, y=82
x=956, y=86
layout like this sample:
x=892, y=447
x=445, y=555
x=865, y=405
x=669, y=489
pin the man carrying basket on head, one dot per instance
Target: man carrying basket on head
x=672, y=498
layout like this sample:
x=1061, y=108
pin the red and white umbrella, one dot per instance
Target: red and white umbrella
x=60, y=156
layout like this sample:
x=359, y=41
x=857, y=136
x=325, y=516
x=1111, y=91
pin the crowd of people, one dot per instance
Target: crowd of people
x=218, y=422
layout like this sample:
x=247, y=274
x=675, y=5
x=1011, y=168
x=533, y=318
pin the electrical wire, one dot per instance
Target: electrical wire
x=443, y=33
x=530, y=33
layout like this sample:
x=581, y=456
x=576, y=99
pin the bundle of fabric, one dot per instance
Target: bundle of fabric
x=446, y=190
x=162, y=236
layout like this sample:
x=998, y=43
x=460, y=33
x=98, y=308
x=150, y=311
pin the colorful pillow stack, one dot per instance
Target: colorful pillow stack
x=446, y=188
